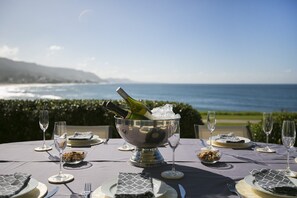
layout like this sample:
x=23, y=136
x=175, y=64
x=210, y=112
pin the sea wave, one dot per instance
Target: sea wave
x=26, y=91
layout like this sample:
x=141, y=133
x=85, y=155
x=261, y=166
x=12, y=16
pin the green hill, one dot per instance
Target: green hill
x=23, y=72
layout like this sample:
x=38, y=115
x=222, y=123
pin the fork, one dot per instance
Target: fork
x=87, y=190
x=231, y=187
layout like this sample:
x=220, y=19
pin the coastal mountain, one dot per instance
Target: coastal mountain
x=23, y=72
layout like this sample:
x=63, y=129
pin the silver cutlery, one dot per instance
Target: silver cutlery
x=87, y=190
x=182, y=191
x=105, y=141
x=52, y=192
x=231, y=187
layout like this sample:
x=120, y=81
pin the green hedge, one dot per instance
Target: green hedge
x=19, y=118
x=276, y=134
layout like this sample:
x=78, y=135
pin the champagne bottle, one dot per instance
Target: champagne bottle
x=136, y=106
x=110, y=106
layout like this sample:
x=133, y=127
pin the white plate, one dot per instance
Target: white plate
x=222, y=143
x=251, y=181
x=95, y=140
x=32, y=184
x=171, y=193
x=109, y=188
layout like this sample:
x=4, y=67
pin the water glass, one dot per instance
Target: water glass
x=288, y=140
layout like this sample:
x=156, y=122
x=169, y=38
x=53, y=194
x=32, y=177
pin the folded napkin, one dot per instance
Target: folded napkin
x=12, y=184
x=231, y=138
x=82, y=136
x=235, y=140
x=275, y=182
x=134, y=185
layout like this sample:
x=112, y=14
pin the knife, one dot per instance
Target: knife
x=182, y=191
x=52, y=192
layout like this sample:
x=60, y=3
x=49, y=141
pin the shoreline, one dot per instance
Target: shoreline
x=148, y=83
x=231, y=100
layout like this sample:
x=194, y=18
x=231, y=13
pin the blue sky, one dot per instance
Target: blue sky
x=169, y=41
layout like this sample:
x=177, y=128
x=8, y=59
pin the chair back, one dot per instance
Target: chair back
x=202, y=132
x=103, y=131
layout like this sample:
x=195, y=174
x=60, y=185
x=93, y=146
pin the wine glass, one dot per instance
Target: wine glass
x=267, y=126
x=211, y=125
x=60, y=139
x=43, y=124
x=173, y=141
x=288, y=139
x=126, y=147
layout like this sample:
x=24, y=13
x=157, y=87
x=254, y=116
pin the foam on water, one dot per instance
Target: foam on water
x=24, y=91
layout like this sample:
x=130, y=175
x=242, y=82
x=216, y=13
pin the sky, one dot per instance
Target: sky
x=165, y=41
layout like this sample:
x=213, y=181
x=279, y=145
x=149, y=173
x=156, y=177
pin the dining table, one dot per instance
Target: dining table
x=104, y=162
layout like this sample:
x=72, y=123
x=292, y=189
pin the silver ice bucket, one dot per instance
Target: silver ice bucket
x=146, y=136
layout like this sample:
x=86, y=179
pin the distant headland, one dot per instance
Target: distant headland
x=15, y=72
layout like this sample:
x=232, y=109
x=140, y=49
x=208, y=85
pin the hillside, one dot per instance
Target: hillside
x=23, y=72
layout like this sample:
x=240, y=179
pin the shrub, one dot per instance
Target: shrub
x=19, y=118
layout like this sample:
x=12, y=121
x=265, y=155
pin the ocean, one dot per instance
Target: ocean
x=218, y=97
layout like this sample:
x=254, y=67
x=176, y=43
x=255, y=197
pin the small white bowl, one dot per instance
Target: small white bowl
x=209, y=156
x=74, y=156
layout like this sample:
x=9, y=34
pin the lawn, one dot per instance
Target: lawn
x=235, y=118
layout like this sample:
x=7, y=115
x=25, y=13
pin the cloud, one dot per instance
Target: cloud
x=9, y=52
x=83, y=14
x=53, y=49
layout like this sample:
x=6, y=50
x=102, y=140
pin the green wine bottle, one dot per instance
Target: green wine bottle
x=110, y=106
x=136, y=106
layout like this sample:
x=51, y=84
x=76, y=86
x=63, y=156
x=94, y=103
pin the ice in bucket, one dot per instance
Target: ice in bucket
x=164, y=112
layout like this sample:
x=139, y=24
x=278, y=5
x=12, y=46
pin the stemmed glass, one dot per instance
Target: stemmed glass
x=60, y=139
x=267, y=126
x=43, y=124
x=126, y=147
x=288, y=139
x=211, y=125
x=173, y=141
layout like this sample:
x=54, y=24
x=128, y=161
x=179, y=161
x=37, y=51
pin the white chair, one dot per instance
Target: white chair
x=103, y=131
x=202, y=132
